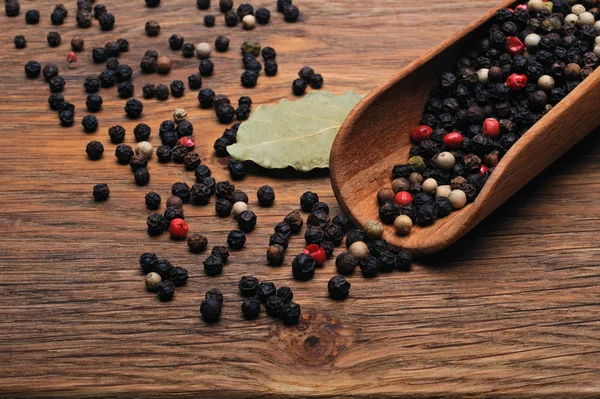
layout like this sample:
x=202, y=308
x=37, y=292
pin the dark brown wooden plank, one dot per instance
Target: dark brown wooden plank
x=512, y=309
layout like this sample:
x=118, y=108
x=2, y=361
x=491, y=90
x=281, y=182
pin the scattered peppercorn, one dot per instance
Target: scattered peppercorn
x=152, y=28
x=141, y=176
x=134, y=108
x=273, y=305
x=338, y=288
x=161, y=92
x=89, y=123
x=101, y=192
x=166, y=290
x=210, y=308
x=214, y=293
x=53, y=39
x=251, y=309
x=93, y=102
x=197, y=242
x=20, y=42
x=303, y=267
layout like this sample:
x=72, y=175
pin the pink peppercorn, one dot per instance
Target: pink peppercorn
x=421, y=133
x=516, y=81
x=403, y=198
x=178, y=228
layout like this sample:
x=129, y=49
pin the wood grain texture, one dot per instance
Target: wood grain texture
x=512, y=309
x=385, y=118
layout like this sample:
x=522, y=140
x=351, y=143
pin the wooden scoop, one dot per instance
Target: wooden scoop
x=376, y=136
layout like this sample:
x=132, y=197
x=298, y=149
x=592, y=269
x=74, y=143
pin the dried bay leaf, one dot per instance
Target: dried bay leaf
x=293, y=133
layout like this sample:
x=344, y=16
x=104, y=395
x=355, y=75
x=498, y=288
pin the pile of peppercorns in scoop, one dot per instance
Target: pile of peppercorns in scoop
x=533, y=56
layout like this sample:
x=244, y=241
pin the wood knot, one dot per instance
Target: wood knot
x=316, y=340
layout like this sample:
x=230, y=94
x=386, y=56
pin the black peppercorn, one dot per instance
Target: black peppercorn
x=20, y=42
x=377, y=247
x=321, y=206
x=346, y=263
x=273, y=306
x=306, y=74
x=197, y=243
x=246, y=221
x=265, y=291
x=203, y=4
x=238, y=195
x=242, y=113
x=91, y=84
x=134, y=108
x=148, y=65
x=224, y=189
x=178, y=276
x=223, y=207
x=101, y=192
x=181, y=190
x=55, y=99
x=214, y=293
x=338, y=288
x=210, y=308
x=201, y=172
x=290, y=313
x=152, y=200
x=334, y=234
x=354, y=236
x=281, y=4
x=248, y=286
x=32, y=17
x=107, y=78
x=299, y=87
x=195, y=81
x=161, y=92
x=148, y=262
x=318, y=219
x=138, y=161
x=209, y=21
x=314, y=235
x=308, y=200
x=262, y=16
x=125, y=89
x=89, y=123
x=53, y=39
x=141, y=176
x=388, y=212
x=225, y=113
x=294, y=221
x=152, y=28
x=220, y=146
x=404, y=260
x=124, y=73
x=99, y=9
x=57, y=17
x=222, y=44
x=65, y=106
x=57, y=84
x=213, y=265
x=84, y=19
x=221, y=252
x=117, y=134
x=200, y=194
x=93, y=102
x=303, y=267
x=206, y=98
x=291, y=13
x=152, y=3
x=275, y=255
x=67, y=118
x=386, y=261
x=249, y=79
x=279, y=239
x=124, y=154
x=316, y=82
x=231, y=19
x=266, y=196
x=225, y=5
x=166, y=290
x=253, y=65
x=237, y=170
x=251, y=309
x=191, y=161
x=369, y=267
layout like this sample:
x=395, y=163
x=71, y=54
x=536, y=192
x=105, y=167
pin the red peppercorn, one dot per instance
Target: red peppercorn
x=514, y=46
x=178, y=228
x=516, y=81
x=521, y=6
x=71, y=59
x=187, y=142
x=403, y=198
x=483, y=169
x=453, y=140
x=316, y=252
x=421, y=133
x=491, y=128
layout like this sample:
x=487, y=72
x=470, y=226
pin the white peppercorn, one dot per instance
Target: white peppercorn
x=586, y=18
x=535, y=5
x=374, y=229
x=458, y=199
x=444, y=160
x=443, y=191
x=359, y=250
x=429, y=186
x=203, y=50
x=403, y=224
x=238, y=208
x=546, y=82
x=144, y=148
x=532, y=40
x=400, y=184
x=179, y=115
x=597, y=27
x=571, y=18
x=152, y=281
x=482, y=75
x=597, y=50
x=249, y=22
x=578, y=9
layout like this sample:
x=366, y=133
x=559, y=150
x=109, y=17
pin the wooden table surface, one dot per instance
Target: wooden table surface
x=513, y=309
